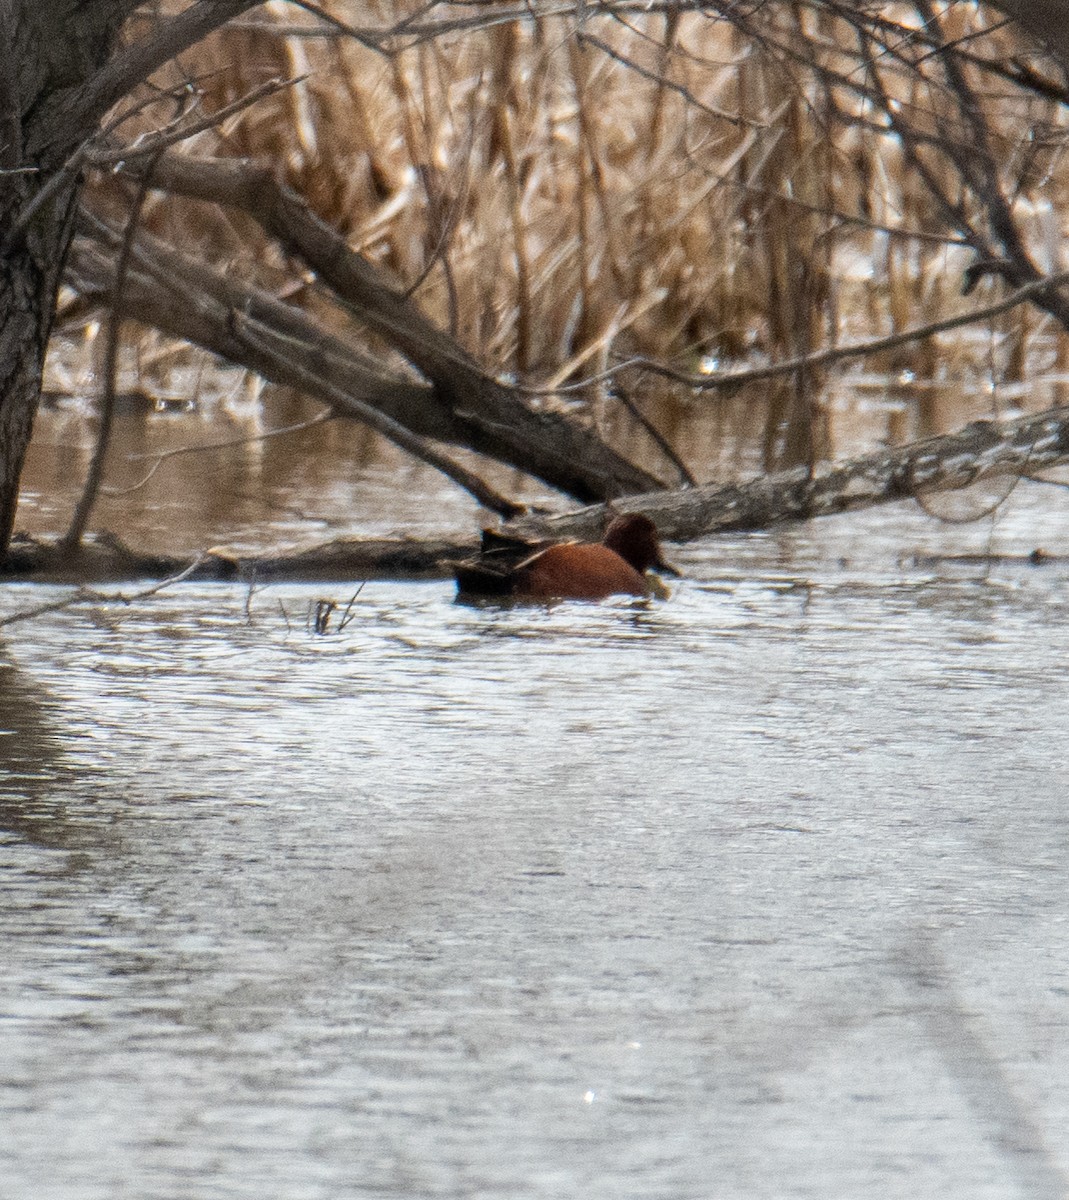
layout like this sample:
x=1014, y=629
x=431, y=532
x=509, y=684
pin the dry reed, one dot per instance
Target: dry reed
x=566, y=190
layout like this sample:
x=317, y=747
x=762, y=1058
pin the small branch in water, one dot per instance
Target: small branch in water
x=345, y=617
x=248, y=597
x=662, y=442
x=87, y=595
x=323, y=611
x=285, y=616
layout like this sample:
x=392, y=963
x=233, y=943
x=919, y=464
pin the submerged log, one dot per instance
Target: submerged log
x=103, y=558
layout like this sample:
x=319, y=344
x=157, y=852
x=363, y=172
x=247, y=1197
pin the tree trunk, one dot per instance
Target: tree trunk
x=60, y=72
x=48, y=49
x=27, y=295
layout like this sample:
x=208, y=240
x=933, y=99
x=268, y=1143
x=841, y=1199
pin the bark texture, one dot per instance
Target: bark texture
x=60, y=72
x=50, y=50
x=982, y=450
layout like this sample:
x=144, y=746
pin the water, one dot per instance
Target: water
x=758, y=892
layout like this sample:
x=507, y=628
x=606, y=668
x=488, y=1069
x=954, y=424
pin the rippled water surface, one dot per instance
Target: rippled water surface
x=759, y=892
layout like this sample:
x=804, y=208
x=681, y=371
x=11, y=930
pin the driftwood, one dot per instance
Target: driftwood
x=983, y=450
x=455, y=400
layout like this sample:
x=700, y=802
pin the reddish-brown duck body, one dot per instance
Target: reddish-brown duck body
x=513, y=569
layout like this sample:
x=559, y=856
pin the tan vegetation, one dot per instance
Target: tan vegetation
x=564, y=189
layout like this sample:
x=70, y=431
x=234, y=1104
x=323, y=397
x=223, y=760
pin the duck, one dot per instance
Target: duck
x=513, y=568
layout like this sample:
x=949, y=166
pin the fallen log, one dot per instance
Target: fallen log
x=103, y=558
x=469, y=406
x=982, y=450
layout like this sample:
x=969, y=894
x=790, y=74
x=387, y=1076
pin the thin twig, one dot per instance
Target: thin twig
x=345, y=617
x=662, y=442
x=68, y=172
x=365, y=38
x=163, y=455
x=248, y=599
x=87, y=595
x=159, y=141
x=132, y=65
x=665, y=83
x=65, y=175
x=734, y=379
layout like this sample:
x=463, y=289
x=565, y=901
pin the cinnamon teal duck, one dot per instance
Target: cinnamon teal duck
x=511, y=568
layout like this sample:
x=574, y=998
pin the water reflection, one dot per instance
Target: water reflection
x=32, y=767
x=1007, y=1120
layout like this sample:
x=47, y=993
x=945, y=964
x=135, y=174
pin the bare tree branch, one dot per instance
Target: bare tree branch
x=180, y=130
x=87, y=595
x=264, y=341
x=563, y=453
x=83, y=107
x=71, y=540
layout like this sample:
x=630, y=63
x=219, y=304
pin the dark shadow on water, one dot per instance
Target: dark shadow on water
x=35, y=799
x=1008, y=1122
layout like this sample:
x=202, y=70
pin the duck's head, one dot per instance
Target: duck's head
x=634, y=537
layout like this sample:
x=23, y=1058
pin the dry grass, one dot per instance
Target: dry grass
x=663, y=184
